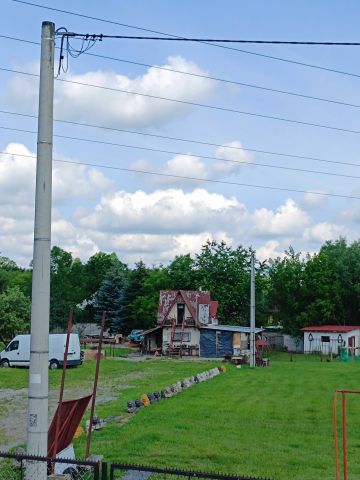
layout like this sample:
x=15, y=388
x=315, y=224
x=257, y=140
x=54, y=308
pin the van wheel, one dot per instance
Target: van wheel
x=5, y=363
x=71, y=471
x=54, y=364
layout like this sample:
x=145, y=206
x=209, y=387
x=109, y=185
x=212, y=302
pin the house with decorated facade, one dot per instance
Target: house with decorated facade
x=329, y=339
x=187, y=324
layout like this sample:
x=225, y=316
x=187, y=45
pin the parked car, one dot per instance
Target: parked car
x=17, y=353
x=136, y=336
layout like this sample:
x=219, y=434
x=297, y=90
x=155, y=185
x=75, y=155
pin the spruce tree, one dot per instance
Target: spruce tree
x=110, y=297
x=134, y=290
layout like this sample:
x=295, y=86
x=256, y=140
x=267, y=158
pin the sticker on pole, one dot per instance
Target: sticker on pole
x=35, y=378
x=33, y=418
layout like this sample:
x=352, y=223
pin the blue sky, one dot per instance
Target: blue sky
x=155, y=218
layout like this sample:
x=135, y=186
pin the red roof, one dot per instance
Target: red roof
x=331, y=328
x=214, y=304
x=193, y=299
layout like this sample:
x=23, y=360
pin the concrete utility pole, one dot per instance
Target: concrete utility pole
x=37, y=419
x=252, y=314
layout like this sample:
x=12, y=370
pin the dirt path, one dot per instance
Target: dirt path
x=13, y=408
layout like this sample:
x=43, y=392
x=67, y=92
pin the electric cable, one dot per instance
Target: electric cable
x=184, y=140
x=184, y=154
x=101, y=36
x=197, y=179
x=208, y=77
x=227, y=47
x=195, y=104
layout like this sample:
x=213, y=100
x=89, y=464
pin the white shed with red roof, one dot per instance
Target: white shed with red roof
x=329, y=338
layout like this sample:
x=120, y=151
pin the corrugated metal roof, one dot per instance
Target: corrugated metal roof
x=232, y=328
x=146, y=332
x=192, y=298
x=331, y=328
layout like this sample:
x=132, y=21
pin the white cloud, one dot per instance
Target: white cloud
x=72, y=239
x=155, y=248
x=227, y=160
x=312, y=200
x=17, y=192
x=186, y=165
x=17, y=178
x=269, y=250
x=154, y=226
x=165, y=211
x=236, y=158
x=287, y=220
x=77, y=181
x=17, y=175
x=122, y=109
x=351, y=214
x=79, y=102
x=321, y=232
x=22, y=91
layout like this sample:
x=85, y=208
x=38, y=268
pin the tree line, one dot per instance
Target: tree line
x=293, y=290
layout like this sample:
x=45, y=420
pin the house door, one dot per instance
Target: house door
x=351, y=342
x=180, y=313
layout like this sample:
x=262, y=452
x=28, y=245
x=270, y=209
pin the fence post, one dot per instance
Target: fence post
x=104, y=470
x=96, y=472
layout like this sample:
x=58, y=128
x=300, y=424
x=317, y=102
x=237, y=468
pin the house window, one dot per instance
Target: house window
x=325, y=339
x=180, y=313
x=185, y=337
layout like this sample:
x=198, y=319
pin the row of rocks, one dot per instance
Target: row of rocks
x=148, y=398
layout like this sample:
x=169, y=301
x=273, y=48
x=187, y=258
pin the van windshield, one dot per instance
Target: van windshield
x=12, y=346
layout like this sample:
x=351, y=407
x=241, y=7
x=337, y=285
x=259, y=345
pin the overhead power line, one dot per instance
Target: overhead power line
x=228, y=81
x=191, y=155
x=101, y=36
x=22, y=40
x=197, y=179
x=209, y=77
x=194, y=104
x=157, y=32
x=183, y=140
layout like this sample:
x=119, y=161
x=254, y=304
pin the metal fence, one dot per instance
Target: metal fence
x=16, y=466
x=126, y=471
x=19, y=466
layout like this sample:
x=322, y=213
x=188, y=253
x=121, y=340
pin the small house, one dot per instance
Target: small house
x=328, y=339
x=187, y=324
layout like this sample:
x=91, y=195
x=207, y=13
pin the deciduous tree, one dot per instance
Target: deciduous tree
x=15, y=309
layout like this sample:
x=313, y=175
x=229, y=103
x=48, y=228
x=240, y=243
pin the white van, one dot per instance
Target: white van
x=17, y=353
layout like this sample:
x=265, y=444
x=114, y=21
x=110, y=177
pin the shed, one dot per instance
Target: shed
x=187, y=324
x=328, y=339
x=220, y=340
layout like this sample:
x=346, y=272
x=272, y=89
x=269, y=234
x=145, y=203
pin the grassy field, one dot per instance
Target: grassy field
x=274, y=422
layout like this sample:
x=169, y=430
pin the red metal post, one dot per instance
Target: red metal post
x=343, y=398
x=57, y=429
x=344, y=442
x=95, y=385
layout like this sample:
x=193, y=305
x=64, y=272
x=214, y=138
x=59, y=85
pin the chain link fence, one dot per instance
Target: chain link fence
x=125, y=471
x=27, y=467
x=19, y=466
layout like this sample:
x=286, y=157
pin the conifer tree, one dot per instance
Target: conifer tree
x=110, y=298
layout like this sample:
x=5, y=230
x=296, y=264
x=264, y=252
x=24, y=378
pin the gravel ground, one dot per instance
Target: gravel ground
x=13, y=408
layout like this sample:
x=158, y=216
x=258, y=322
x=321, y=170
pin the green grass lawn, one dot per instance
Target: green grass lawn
x=273, y=422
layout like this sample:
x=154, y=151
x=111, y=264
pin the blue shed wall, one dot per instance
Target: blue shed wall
x=210, y=346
